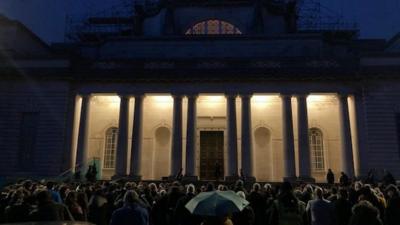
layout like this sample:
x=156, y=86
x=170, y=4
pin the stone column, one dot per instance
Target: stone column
x=83, y=136
x=361, y=135
x=122, y=142
x=136, y=148
x=191, y=136
x=247, y=156
x=304, y=146
x=288, y=140
x=176, y=151
x=345, y=133
x=232, y=137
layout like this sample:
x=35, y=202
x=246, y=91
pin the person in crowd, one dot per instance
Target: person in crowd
x=244, y=217
x=181, y=214
x=330, y=177
x=320, y=209
x=258, y=203
x=370, y=177
x=344, y=179
x=388, y=178
x=131, y=213
x=98, y=207
x=71, y=201
x=287, y=209
x=48, y=210
x=392, y=212
x=342, y=208
x=18, y=209
x=221, y=220
x=364, y=213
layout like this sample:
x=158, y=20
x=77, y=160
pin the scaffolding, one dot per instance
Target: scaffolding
x=313, y=16
x=119, y=20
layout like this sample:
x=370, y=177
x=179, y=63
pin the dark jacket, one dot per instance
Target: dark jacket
x=51, y=211
x=258, y=202
x=130, y=214
x=342, y=209
x=364, y=213
x=392, y=212
x=182, y=216
x=245, y=217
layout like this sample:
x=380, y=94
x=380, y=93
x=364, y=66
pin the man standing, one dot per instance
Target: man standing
x=320, y=210
x=330, y=177
x=131, y=213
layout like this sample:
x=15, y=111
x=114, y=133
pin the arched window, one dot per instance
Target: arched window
x=213, y=27
x=317, y=149
x=110, y=148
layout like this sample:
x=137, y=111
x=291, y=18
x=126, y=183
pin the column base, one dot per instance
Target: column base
x=249, y=179
x=134, y=178
x=118, y=177
x=290, y=179
x=233, y=178
x=189, y=179
x=306, y=179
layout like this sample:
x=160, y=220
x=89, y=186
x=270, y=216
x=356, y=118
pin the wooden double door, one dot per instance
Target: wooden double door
x=211, y=155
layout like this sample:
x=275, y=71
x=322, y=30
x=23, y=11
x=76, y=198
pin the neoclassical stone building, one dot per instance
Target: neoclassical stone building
x=198, y=85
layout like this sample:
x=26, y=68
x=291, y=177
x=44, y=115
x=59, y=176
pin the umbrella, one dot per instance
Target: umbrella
x=216, y=203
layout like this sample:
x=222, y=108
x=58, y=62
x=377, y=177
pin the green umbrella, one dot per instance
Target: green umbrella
x=216, y=203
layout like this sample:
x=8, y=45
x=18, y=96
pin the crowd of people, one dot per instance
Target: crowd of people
x=123, y=202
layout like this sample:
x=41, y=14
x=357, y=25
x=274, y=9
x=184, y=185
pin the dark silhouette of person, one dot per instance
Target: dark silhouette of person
x=217, y=172
x=344, y=179
x=179, y=175
x=330, y=177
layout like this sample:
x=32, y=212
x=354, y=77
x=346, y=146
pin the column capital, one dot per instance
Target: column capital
x=230, y=95
x=301, y=94
x=285, y=95
x=124, y=94
x=192, y=95
x=85, y=94
x=138, y=95
x=177, y=95
x=246, y=95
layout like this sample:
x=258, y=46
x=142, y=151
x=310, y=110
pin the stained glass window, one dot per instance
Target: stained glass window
x=110, y=148
x=317, y=149
x=213, y=27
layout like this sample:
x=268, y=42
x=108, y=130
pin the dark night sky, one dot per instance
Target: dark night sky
x=375, y=18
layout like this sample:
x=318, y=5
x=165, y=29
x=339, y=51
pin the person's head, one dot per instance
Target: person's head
x=210, y=186
x=43, y=197
x=256, y=187
x=267, y=187
x=329, y=170
x=358, y=185
x=190, y=189
x=286, y=187
x=392, y=190
x=153, y=187
x=319, y=193
x=131, y=197
x=241, y=194
x=220, y=187
x=239, y=183
x=71, y=197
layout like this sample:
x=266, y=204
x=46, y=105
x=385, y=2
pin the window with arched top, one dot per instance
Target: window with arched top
x=110, y=148
x=317, y=149
x=213, y=27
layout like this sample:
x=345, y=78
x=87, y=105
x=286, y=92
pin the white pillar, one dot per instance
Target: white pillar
x=122, y=142
x=232, y=136
x=304, y=146
x=176, y=157
x=247, y=157
x=288, y=140
x=191, y=136
x=345, y=132
x=136, y=148
x=83, y=135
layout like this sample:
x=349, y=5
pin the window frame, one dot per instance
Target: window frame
x=110, y=148
x=317, y=149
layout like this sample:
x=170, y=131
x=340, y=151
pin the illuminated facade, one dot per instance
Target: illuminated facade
x=200, y=87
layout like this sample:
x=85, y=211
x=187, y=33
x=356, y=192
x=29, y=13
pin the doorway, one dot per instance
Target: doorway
x=211, y=155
